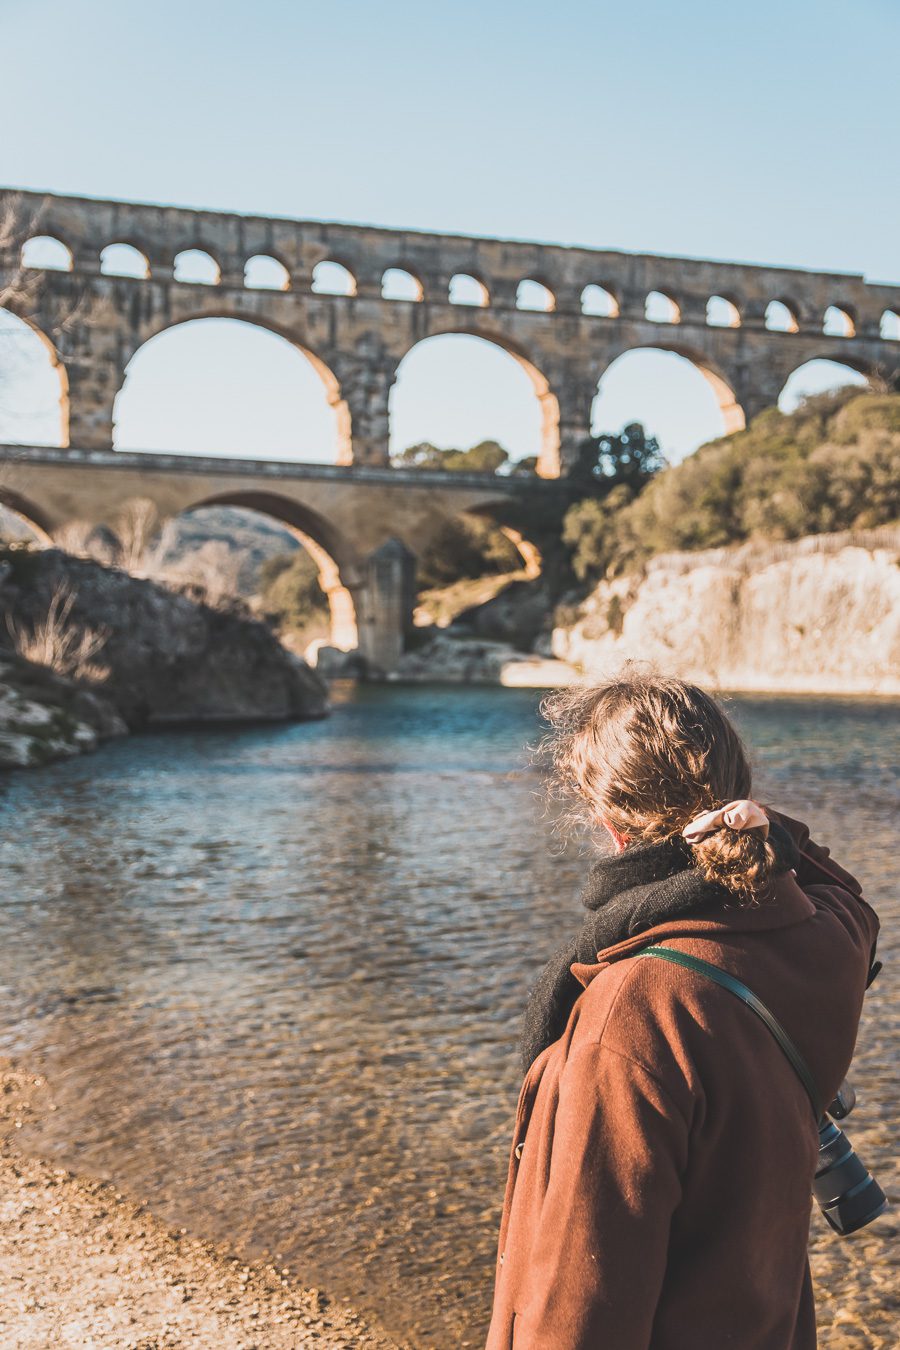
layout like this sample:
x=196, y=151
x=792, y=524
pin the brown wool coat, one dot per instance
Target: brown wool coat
x=658, y=1195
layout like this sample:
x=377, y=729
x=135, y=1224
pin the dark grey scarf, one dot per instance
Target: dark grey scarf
x=642, y=886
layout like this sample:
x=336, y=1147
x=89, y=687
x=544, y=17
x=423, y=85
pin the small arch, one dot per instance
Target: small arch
x=722, y=312
x=781, y=317
x=333, y=278
x=599, y=302
x=661, y=308
x=535, y=296
x=264, y=273
x=890, y=326
x=124, y=260
x=468, y=290
x=46, y=253
x=398, y=284
x=197, y=268
x=838, y=322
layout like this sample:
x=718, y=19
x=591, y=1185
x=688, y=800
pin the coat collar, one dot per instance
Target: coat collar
x=787, y=905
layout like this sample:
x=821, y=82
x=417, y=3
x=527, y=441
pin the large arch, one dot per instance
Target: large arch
x=340, y=569
x=30, y=362
x=541, y=439
x=704, y=414
x=820, y=375
x=339, y=432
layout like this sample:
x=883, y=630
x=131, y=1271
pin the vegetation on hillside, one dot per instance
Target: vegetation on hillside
x=834, y=464
x=289, y=592
x=485, y=457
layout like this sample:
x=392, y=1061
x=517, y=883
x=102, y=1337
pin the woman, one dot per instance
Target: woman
x=659, y=1181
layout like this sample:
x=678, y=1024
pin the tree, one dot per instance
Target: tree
x=590, y=530
x=290, y=592
x=485, y=457
x=631, y=457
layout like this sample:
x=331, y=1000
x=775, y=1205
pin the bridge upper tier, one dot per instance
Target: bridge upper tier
x=96, y=322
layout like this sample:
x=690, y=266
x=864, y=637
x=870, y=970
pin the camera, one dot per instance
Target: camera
x=846, y=1193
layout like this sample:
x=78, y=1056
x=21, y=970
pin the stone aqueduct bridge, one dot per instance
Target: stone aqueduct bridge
x=361, y=517
x=97, y=322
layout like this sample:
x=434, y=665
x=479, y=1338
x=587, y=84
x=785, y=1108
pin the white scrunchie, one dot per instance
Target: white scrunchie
x=740, y=815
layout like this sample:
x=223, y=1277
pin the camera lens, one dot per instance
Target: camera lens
x=847, y=1194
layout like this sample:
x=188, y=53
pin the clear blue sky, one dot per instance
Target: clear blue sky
x=764, y=133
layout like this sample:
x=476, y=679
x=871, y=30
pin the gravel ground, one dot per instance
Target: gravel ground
x=82, y=1267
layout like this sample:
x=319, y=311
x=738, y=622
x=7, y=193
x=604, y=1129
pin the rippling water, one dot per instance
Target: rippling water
x=274, y=975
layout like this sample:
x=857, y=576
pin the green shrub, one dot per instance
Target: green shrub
x=290, y=592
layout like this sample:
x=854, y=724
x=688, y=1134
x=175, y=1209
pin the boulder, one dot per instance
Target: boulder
x=44, y=717
x=165, y=657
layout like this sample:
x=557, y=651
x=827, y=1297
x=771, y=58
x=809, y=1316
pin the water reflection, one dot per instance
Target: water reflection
x=274, y=975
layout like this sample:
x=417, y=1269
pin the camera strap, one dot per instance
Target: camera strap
x=734, y=986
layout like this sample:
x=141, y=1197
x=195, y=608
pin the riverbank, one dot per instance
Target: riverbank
x=81, y=1265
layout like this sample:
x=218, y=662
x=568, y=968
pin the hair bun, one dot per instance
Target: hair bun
x=741, y=860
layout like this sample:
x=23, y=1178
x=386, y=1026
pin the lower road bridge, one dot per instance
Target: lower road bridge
x=363, y=525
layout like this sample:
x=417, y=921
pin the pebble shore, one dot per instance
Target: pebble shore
x=83, y=1267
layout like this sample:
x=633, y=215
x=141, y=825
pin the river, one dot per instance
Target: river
x=274, y=976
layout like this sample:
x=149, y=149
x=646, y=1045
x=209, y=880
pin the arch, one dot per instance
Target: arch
x=535, y=296
x=262, y=272
x=333, y=278
x=838, y=322
x=466, y=289
x=470, y=420
x=661, y=308
x=34, y=409
x=47, y=253
x=889, y=327
x=196, y=267
x=398, y=284
x=722, y=312
x=600, y=302
x=340, y=571
x=781, y=317
x=821, y=375
x=154, y=412
x=32, y=515
x=124, y=260
x=654, y=393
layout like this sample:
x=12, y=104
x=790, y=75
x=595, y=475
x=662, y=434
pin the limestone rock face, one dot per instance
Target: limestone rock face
x=167, y=657
x=819, y=615
x=44, y=717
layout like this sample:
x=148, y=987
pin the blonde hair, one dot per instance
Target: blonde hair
x=646, y=754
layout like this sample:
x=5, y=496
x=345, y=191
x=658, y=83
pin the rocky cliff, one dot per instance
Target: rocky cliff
x=819, y=615
x=154, y=656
